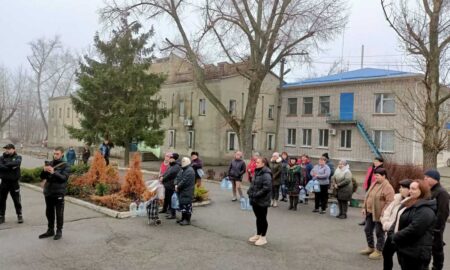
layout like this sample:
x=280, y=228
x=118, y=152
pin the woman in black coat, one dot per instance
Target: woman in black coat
x=259, y=195
x=413, y=230
x=184, y=186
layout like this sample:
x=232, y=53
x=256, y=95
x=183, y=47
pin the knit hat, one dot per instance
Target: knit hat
x=325, y=155
x=175, y=156
x=433, y=174
x=185, y=162
x=405, y=183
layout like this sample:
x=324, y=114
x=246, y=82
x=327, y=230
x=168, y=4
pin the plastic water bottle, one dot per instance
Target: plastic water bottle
x=302, y=195
x=333, y=210
x=141, y=211
x=248, y=205
x=223, y=183
x=243, y=204
x=133, y=209
x=229, y=184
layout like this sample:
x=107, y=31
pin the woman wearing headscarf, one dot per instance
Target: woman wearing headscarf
x=342, y=183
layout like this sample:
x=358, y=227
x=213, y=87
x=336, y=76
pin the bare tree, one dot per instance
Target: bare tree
x=257, y=33
x=11, y=87
x=424, y=30
x=54, y=71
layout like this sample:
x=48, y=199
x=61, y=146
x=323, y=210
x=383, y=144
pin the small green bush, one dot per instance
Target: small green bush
x=102, y=189
x=79, y=169
x=200, y=194
x=30, y=175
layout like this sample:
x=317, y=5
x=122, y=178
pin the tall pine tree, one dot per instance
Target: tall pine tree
x=117, y=97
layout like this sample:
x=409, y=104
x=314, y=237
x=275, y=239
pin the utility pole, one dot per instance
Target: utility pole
x=279, y=101
x=362, y=56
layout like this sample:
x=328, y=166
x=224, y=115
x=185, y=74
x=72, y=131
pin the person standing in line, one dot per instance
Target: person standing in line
x=321, y=173
x=379, y=196
x=10, y=163
x=236, y=171
x=275, y=167
x=105, y=150
x=168, y=180
x=184, y=186
x=252, y=166
x=259, y=194
x=55, y=176
x=294, y=178
x=342, y=183
x=284, y=169
x=440, y=194
x=413, y=233
x=165, y=164
x=329, y=164
x=86, y=154
x=306, y=170
x=197, y=165
x=388, y=219
x=370, y=179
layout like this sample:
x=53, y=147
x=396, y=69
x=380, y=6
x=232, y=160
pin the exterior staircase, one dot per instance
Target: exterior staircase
x=362, y=130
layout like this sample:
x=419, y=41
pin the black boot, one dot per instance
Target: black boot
x=2, y=220
x=58, y=235
x=186, y=220
x=291, y=203
x=183, y=217
x=295, y=202
x=19, y=219
x=49, y=233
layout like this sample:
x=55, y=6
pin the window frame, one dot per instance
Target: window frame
x=232, y=107
x=324, y=137
x=309, y=103
x=270, y=112
x=234, y=148
x=380, y=147
x=321, y=102
x=202, y=106
x=181, y=108
x=270, y=141
x=306, y=137
x=172, y=138
x=190, y=139
x=344, y=139
x=291, y=139
x=289, y=103
x=382, y=102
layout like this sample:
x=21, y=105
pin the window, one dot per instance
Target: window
x=346, y=139
x=254, y=141
x=52, y=113
x=291, y=136
x=324, y=105
x=190, y=139
x=202, y=106
x=68, y=112
x=292, y=106
x=384, y=140
x=232, y=141
x=307, y=105
x=384, y=103
x=271, y=108
x=307, y=133
x=163, y=105
x=181, y=108
x=270, y=141
x=60, y=112
x=172, y=138
x=232, y=107
x=323, y=137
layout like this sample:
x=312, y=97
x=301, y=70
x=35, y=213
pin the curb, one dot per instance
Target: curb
x=101, y=209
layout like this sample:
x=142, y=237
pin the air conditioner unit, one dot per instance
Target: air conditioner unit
x=332, y=131
x=188, y=122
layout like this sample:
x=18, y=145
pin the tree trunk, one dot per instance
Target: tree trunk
x=126, y=158
x=431, y=145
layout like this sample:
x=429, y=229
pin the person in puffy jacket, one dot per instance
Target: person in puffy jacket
x=197, y=165
x=168, y=180
x=55, y=176
x=275, y=167
x=259, y=195
x=10, y=174
x=184, y=186
x=294, y=178
x=413, y=233
x=321, y=172
x=388, y=220
x=235, y=172
x=342, y=183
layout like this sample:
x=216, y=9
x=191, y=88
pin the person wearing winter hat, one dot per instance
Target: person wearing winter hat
x=275, y=167
x=440, y=194
x=293, y=180
x=184, y=186
x=168, y=180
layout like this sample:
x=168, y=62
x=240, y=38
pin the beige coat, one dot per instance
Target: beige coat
x=390, y=213
x=381, y=197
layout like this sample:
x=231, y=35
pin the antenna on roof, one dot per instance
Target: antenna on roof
x=362, y=56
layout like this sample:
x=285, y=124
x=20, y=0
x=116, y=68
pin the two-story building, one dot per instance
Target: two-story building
x=194, y=124
x=352, y=115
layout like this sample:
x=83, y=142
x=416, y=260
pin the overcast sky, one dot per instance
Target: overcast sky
x=76, y=21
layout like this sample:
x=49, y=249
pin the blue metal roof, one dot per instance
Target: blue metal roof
x=354, y=75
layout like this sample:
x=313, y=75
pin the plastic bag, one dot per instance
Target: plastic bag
x=316, y=186
x=200, y=173
x=175, y=203
x=226, y=184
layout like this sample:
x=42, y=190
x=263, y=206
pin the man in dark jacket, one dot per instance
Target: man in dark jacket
x=184, y=186
x=438, y=193
x=168, y=180
x=235, y=173
x=10, y=175
x=105, y=150
x=197, y=165
x=55, y=174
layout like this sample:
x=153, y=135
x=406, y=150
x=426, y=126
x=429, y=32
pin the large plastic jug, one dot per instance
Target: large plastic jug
x=333, y=210
x=141, y=211
x=133, y=209
x=229, y=184
x=175, y=203
x=223, y=183
x=249, y=206
x=243, y=204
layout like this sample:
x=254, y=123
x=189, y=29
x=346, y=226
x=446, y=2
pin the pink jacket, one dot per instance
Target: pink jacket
x=366, y=180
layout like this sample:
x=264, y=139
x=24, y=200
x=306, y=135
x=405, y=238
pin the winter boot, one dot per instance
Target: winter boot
x=295, y=202
x=261, y=241
x=58, y=235
x=49, y=233
x=19, y=219
x=186, y=221
x=291, y=203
